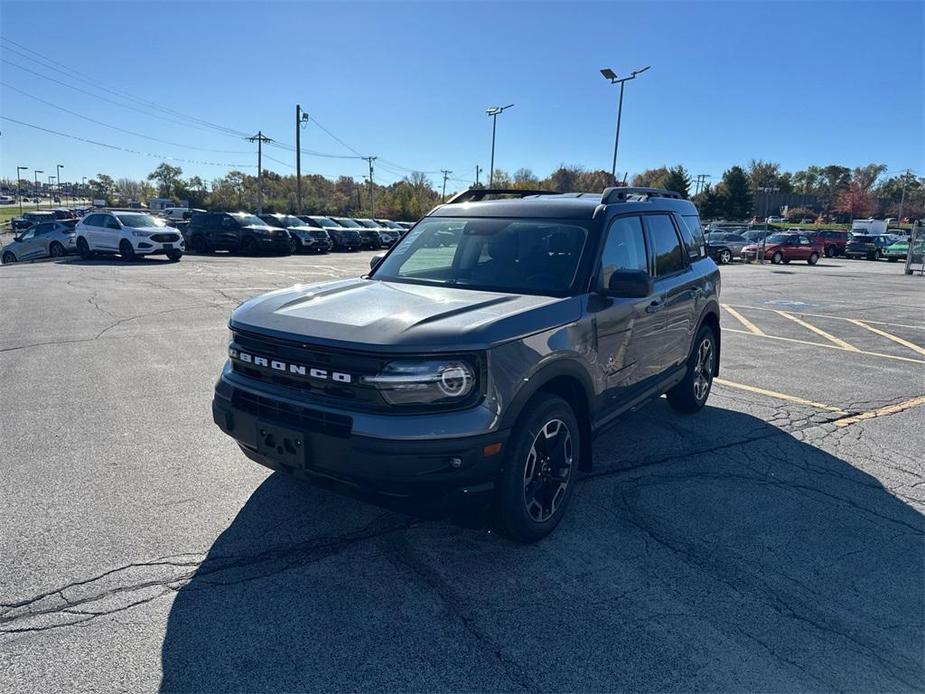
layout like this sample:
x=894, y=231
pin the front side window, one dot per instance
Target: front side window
x=666, y=245
x=625, y=248
x=110, y=222
x=522, y=256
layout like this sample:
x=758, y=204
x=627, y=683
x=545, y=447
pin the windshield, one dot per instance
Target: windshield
x=249, y=220
x=523, y=256
x=133, y=219
x=368, y=223
x=778, y=238
x=349, y=223
x=327, y=222
x=290, y=220
x=273, y=222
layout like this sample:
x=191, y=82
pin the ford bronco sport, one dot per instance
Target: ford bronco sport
x=483, y=352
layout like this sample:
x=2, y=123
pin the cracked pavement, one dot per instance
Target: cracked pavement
x=755, y=546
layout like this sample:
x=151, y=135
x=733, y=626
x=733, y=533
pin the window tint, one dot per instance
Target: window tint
x=804, y=241
x=111, y=223
x=42, y=229
x=667, y=245
x=625, y=248
x=693, y=236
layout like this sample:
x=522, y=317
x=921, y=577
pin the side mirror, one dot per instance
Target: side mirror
x=375, y=260
x=630, y=284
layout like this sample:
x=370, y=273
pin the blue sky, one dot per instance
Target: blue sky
x=796, y=83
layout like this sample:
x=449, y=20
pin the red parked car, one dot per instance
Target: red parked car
x=782, y=248
x=833, y=241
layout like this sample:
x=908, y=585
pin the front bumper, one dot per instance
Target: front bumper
x=317, y=245
x=145, y=246
x=326, y=445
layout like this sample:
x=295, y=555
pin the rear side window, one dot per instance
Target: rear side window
x=625, y=248
x=693, y=236
x=669, y=257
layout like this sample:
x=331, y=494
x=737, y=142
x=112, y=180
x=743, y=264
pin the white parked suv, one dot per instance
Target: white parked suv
x=130, y=233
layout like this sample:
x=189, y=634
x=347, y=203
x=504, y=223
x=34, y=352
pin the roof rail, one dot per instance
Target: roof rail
x=617, y=194
x=476, y=194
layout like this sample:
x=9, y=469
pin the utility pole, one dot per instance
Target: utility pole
x=19, y=185
x=445, y=173
x=902, y=201
x=301, y=118
x=767, y=201
x=85, y=186
x=701, y=183
x=612, y=76
x=36, y=173
x=372, y=208
x=493, y=111
x=477, y=170
x=259, y=138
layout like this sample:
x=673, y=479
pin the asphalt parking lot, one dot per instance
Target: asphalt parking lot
x=772, y=542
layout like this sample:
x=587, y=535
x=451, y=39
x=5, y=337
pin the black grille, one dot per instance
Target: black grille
x=355, y=364
x=165, y=238
x=301, y=418
x=319, y=235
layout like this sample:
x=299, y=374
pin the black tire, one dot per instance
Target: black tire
x=830, y=251
x=249, y=245
x=691, y=394
x=83, y=248
x=725, y=256
x=877, y=254
x=56, y=250
x=541, y=463
x=174, y=255
x=9, y=258
x=126, y=251
x=813, y=258
x=293, y=246
x=777, y=258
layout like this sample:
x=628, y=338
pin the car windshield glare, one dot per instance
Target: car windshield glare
x=778, y=238
x=249, y=220
x=349, y=223
x=290, y=220
x=523, y=256
x=136, y=220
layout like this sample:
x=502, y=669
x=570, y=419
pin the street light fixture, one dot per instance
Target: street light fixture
x=19, y=185
x=493, y=111
x=614, y=79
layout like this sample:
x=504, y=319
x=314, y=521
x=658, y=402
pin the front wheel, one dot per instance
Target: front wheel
x=127, y=251
x=8, y=258
x=877, y=254
x=725, y=257
x=691, y=394
x=777, y=258
x=537, y=479
x=830, y=251
x=83, y=248
x=174, y=255
x=813, y=258
x=249, y=245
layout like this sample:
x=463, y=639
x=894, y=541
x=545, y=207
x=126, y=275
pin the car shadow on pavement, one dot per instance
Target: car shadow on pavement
x=116, y=260
x=714, y=552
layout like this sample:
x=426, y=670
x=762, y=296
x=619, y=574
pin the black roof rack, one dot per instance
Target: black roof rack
x=476, y=194
x=617, y=194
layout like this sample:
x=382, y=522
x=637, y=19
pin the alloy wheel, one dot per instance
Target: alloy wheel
x=703, y=369
x=548, y=470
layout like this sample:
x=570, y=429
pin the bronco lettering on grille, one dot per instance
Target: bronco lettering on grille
x=297, y=369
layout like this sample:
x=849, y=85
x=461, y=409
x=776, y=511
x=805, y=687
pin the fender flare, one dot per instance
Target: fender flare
x=562, y=366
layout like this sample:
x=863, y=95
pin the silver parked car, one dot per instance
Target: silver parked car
x=45, y=239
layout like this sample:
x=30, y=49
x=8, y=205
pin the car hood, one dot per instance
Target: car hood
x=397, y=317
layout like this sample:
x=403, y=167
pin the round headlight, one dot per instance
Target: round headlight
x=455, y=379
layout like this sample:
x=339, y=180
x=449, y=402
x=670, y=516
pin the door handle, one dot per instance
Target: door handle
x=655, y=306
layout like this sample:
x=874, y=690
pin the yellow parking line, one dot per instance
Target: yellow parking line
x=780, y=396
x=894, y=338
x=880, y=412
x=831, y=338
x=822, y=344
x=754, y=329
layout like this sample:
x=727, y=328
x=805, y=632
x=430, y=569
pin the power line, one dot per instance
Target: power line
x=115, y=127
x=335, y=137
x=123, y=149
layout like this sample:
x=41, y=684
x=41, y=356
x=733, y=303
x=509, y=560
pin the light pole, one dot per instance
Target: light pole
x=612, y=77
x=767, y=190
x=19, y=185
x=51, y=197
x=84, y=186
x=36, y=173
x=493, y=111
x=301, y=119
x=58, y=174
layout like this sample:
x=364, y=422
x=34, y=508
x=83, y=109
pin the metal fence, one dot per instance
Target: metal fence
x=915, y=256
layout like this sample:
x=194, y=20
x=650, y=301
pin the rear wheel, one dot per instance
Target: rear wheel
x=83, y=248
x=877, y=254
x=813, y=258
x=691, y=394
x=777, y=258
x=249, y=245
x=126, y=250
x=198, y=243
x=538, y=475
x=56, y=250
x=8, y=258
x=830, y=251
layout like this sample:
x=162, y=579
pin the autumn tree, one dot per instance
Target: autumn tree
x=166, y=177
x=855, y=201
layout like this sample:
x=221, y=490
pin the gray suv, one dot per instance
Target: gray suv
x=482, y=353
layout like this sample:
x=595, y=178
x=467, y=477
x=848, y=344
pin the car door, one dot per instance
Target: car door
x=25, y=247
x=627, y=330
x=109, y=233
x=677, y=289
x=225, y=230
x=806, y=247
x=41, y=239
